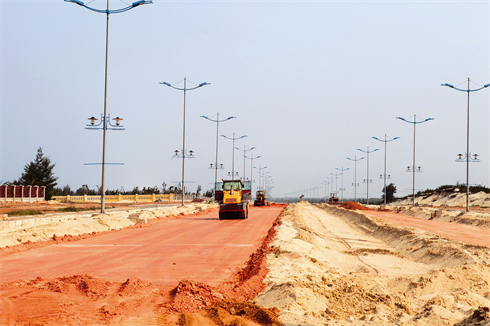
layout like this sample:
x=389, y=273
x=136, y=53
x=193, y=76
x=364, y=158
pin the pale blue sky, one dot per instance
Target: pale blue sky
x=309, y=83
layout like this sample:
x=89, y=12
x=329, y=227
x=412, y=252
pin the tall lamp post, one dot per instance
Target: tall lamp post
x=468, y=154
x=414, y=169
x=342, y=170
x=104, y=118
x=367, y=177
x=216, y=166
x=233, y=160
x=251, y=170
x=355, y=174
x=325, y=184
x=336, y=188
x=260, y=168
x=244, y=150
x=184, y=150
x=384, y=175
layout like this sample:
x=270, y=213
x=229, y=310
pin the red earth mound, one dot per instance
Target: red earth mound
x=354, y=205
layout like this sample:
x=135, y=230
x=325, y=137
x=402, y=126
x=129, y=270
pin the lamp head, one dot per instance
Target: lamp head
x=78, y=2
x=117, y=119
x=92, y=120
x=141, y=2
x=448, y=85
x=165, y=83
x=176, y=152
x=487, y=85
x=203, y=84
x=191, y=152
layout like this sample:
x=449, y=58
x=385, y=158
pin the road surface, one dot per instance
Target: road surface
x=196, y=247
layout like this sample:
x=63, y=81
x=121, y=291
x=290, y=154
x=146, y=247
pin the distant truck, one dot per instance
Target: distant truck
x=260, y=199
x=233, y=197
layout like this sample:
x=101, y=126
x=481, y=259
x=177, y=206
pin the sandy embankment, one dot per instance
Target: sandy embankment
x=456, y=216
x=337, y=266
x=61, y=225
x=457, y=199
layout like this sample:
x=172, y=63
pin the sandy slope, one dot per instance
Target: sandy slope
x=457, y=216
x=63, y=224
x=337, y=266
x=454, y=200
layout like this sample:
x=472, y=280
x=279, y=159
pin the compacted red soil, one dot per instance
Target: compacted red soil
x=192, y=270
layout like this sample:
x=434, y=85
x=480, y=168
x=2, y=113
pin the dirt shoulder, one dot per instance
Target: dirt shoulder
x=347, y=267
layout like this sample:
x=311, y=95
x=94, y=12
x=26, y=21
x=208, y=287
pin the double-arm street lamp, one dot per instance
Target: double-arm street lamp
x=216, y=166
x=105, y=117
x=414, y=169
x=260, y=168
x=367, y=169
x=355, y=174
x=336, y=184
x=384, y=174
x=468, y=153
x=184, y=153
x=252, y=158
x=342, y=189
x=244, y=150
x=233, y=160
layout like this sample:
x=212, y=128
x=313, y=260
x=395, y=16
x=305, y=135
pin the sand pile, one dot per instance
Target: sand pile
x=345, y=267
x=480, y=199
x=61, y=226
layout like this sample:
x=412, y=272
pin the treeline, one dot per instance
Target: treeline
x=86, y=190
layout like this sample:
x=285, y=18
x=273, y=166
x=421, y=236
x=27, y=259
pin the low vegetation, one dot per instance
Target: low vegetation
x=24, y=212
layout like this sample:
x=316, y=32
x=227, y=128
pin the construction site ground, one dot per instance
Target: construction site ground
x=316, y=265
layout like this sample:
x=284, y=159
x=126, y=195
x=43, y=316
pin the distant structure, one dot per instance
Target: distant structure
x=22, y=194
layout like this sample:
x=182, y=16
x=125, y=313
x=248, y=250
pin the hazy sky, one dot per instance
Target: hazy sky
x=309, y=83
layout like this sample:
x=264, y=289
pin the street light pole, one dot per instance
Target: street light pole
x=414, y=122
x=367, y=180
x=217, y=120
x=342, y=170
x=251, y=170
x=355, y=174
x=260, y=168
x=244, y=150
x=104, y=137
x=233, y=160
x=384, y=175
x=468, y=155
x=184, y=150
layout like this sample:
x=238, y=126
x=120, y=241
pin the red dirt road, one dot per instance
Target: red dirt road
x=198, y=247
x=464, y=233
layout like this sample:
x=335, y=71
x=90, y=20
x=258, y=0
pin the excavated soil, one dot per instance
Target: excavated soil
x=338, y=267
x=355, y=206
x=85, y=300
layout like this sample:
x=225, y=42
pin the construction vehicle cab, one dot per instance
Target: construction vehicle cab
x=260, y=199
x=233, y=196
x=333, y=198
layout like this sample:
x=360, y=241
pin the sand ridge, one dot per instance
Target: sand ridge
x=337, y=266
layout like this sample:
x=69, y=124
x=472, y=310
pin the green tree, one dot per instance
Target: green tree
x=390, y=192
x=39, y=173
